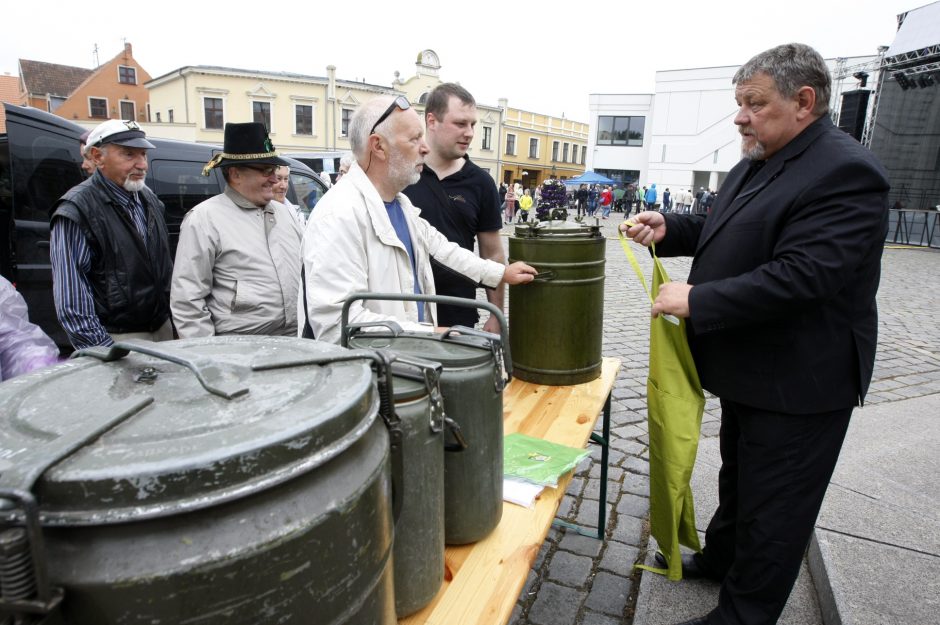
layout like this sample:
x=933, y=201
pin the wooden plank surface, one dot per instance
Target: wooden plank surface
x=482, y=581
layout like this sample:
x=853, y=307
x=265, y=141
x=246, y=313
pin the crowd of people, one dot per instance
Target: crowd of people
x=779, y=307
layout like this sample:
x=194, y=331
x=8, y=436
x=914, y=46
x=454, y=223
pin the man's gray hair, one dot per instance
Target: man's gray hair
x=364, y=119
x=347, y=159
x=791, y=67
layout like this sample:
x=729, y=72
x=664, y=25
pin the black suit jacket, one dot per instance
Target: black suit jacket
x=785, y=271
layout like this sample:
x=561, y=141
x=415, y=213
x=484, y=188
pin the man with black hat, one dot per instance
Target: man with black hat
x=238, y=259
x=110, y=258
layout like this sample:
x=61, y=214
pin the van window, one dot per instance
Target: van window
x=180, y=186
x=308, y=191
x=47, y=167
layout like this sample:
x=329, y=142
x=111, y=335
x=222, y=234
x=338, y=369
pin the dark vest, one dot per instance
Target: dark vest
x=130, y=281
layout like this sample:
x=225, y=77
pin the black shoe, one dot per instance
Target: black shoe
x=693, y=567
x=702, y=620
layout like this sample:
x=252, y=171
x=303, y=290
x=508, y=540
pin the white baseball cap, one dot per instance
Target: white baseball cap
x=120, y=132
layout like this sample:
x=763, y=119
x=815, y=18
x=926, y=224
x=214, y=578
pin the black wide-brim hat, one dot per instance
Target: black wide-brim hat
x=245, y=144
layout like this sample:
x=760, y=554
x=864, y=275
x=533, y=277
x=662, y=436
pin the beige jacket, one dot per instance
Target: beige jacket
x=350, y=246
x=237, y=269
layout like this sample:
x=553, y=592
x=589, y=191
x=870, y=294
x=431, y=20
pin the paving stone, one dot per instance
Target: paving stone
x=566, y=507
x=636, y=484
x=531, y=583
x=540, y=556
x=593, y=618
x=628, y=530
x=608, y=594
x=614, y=473
x=619, y=558
x=581, y=545
x=555, y=605
x=636, y=464
x=634, y=505
x=570, y=569
x=592, y=490
x=587, y=513
x=516, y=617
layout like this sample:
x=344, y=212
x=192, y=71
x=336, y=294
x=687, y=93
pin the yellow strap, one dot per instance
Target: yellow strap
x=625, y=243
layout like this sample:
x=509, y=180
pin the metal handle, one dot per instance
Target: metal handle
x=436, y=299
x=544, y=276
x=354, y=328
x=207, y=371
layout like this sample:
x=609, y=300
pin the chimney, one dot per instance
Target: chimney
x=127, y=50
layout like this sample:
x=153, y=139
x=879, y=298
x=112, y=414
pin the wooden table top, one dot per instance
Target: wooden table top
x=482, y=581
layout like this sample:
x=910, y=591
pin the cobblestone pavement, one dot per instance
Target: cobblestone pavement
x=578, y=580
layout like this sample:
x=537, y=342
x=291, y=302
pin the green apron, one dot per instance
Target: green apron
x=675, y=402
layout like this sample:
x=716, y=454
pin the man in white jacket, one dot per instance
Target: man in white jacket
x=365, y=235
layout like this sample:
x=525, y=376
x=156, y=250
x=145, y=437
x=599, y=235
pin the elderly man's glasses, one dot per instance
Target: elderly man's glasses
x=265, y=170
x=401, y=102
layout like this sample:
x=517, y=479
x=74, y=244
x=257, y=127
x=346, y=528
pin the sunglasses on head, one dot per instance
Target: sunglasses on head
x=401, y=102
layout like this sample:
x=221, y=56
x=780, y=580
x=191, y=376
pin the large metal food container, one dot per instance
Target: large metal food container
x=237, y=480
x=418, y=553
x=557, y=320
x=472, y=381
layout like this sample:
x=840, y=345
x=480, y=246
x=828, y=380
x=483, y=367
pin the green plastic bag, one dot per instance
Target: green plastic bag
x=538, y=461
x=675, y=403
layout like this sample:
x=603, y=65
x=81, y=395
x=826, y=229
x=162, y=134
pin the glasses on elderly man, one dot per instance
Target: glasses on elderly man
x=265, y=170
x=401, y=102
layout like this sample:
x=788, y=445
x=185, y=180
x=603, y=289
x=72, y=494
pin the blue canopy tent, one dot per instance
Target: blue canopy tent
x=589, y=177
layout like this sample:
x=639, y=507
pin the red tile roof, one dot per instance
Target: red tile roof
x=58, y=80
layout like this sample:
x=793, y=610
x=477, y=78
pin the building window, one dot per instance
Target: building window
x=261, y=112
x=127, y=75
x=487, y=138
x=169, y=116
x=583, y=154
x=98, y=107
x=303, y=119
x=554, y=150
x=127, y=110
x=564, y=153
x=347, y=117
x=511, y=144
x=213, y=109
x=158, y=117
x=620, y=130
x=574, y=153
x=533, y=148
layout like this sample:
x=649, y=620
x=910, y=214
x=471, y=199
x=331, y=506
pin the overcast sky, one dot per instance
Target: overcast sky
x=541, y=56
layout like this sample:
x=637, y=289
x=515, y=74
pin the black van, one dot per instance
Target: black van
x=39, y=162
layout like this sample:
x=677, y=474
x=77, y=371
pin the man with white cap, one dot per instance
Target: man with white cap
x=238, y=259
x=110, y=257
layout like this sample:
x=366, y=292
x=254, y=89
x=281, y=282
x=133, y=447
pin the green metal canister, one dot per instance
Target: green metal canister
x=557, y=320
x=475, y=371
x=418, y=552
x=236, y=480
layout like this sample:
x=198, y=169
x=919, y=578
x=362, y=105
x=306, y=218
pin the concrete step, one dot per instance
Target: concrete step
x=662, y=602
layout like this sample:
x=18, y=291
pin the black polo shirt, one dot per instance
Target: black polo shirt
x=473, y=208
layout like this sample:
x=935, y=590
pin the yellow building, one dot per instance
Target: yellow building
x=301, y=112
x=312, y=113
x=535, y=147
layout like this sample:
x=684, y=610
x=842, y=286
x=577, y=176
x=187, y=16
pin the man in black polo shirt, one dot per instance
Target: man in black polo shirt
x=458, y=198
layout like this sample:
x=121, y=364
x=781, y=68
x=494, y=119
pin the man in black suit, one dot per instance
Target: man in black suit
x=781, y=319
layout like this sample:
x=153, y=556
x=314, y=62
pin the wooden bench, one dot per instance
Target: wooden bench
x=482, y=581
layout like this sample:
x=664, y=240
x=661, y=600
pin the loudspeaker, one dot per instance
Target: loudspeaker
x=852, y=115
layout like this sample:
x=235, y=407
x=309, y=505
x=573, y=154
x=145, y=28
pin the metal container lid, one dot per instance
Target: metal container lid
x=451, y=349
x=557, y=229
x=166, y=438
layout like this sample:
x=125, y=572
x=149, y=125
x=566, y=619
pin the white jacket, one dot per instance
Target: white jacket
x=351, y=246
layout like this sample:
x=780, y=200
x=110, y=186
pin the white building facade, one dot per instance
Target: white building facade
x=689, y=138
